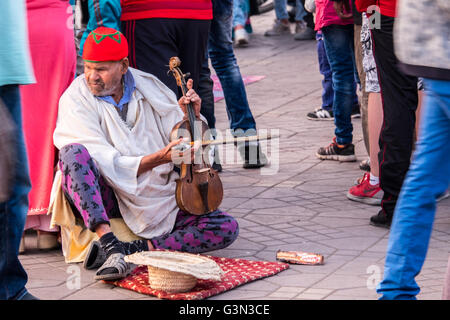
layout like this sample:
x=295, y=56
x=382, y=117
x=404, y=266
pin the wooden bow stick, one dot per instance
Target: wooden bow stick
x=235, y=140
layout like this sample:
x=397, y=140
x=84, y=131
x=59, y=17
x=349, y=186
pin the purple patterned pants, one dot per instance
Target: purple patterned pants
x=92, y=198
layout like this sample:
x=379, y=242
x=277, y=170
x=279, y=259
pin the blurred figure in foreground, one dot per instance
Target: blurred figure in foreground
x=422, y=45
x=15, y=69
x=54, y=61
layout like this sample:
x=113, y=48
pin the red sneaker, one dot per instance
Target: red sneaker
x=365, y=192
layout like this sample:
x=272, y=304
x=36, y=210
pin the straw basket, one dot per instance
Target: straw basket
x=170, y=281
x=173, y=272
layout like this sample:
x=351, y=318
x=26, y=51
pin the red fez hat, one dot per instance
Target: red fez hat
x=105, y=44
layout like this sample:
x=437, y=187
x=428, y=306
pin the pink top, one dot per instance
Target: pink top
x=326, y=15
x=52, y=48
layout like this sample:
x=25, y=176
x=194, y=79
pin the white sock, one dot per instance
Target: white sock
x=374, y=180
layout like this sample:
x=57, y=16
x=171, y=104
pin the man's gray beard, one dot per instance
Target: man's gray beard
x=108, y=92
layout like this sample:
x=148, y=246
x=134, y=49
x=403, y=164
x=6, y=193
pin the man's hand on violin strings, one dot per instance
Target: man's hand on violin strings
x=184, y=152
x=190, y=97
x=158, y=158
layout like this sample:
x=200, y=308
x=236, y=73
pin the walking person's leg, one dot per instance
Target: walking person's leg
x=224, y=61
x=325, y=112
x=399, y=98
x=416, y=206
x=281, y=25
x=367, y=189
x=281, y=12
x=13, y=212
x=339, y=47
x=304, y=22
x=241, y=9
x=206, y=93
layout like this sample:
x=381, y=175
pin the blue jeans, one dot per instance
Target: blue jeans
x=427, y=178
x=220, y=51
x=13, y=212
x=325, y=71
x=240, y=10
x=282, y=13
x=339, y=47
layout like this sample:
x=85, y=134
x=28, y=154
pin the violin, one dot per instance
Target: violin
x=199, y=189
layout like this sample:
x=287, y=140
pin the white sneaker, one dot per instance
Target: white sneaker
x=241, y=37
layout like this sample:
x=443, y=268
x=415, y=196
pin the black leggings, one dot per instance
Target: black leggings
x=400, y=98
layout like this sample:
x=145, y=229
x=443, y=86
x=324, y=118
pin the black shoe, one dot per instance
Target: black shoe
x=95, y=257
x=320, y=114
x=356, y=112
x=217, y=167
x=335, y=152
x=381, y=220
x=248, y=153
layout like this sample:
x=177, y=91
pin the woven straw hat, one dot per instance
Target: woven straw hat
x=176, y=271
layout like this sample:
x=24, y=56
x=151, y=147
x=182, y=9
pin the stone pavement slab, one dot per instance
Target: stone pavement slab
x=301, y=207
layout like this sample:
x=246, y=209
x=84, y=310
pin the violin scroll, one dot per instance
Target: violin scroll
x=174, y=62
x=174, y=66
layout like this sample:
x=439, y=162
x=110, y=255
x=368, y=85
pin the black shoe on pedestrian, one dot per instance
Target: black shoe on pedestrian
x=217, y=167
x=345, y=153
x=216, y=163
x=248, y=153
x=320, y=114
x=381, y=220
x=356, y=112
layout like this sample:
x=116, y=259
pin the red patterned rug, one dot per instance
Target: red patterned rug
x=237, y=272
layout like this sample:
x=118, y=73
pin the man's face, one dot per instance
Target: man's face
x=104, y=78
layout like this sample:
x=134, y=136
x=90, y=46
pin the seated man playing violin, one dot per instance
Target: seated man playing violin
x=113, y=133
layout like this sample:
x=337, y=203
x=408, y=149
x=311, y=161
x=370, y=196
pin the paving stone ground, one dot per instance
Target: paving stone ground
x=301, y=207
